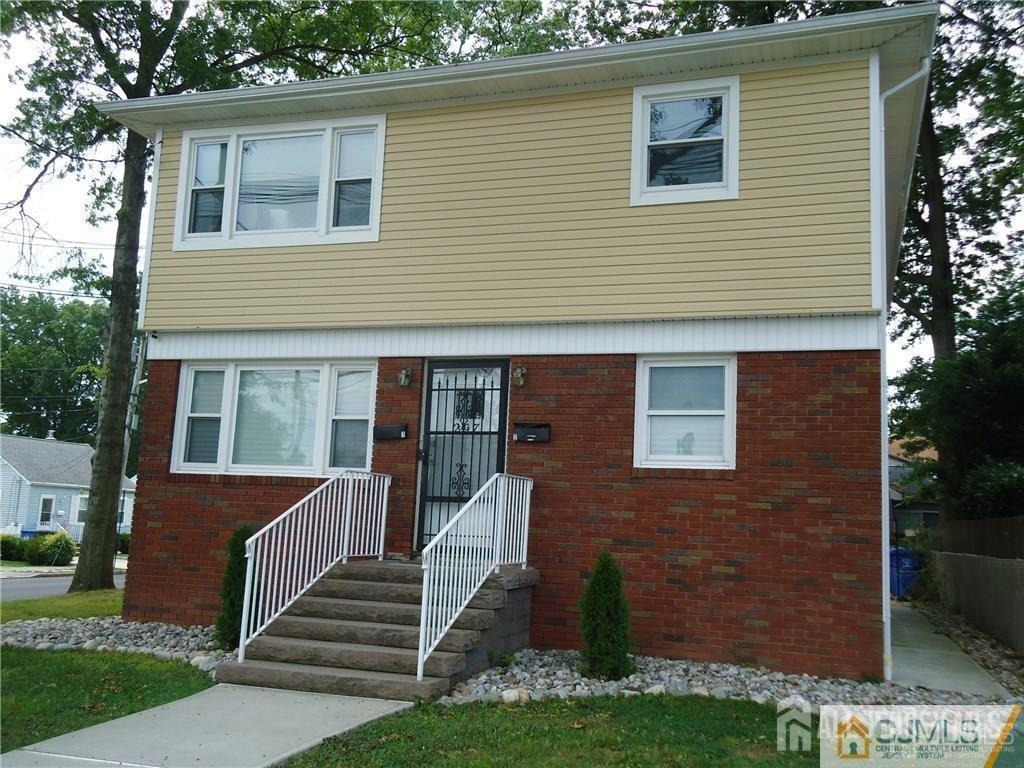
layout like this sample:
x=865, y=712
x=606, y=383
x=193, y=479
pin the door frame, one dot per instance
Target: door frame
x=504, y=364
x=53, y=510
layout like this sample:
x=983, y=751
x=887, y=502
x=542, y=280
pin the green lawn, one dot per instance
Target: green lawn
x=638, y=731
x=47, y=693
x=15, y=564
x=79, y=605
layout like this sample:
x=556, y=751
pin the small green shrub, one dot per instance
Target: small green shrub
x=232, y=593
x=604, y=622
x=12, y=547
x=34, y=550
x=58, y=549
x=124, y=541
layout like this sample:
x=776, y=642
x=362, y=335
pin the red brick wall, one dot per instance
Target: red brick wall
x=775, y=563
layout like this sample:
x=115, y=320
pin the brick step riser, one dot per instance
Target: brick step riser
x=372, y=661
x=458, y=641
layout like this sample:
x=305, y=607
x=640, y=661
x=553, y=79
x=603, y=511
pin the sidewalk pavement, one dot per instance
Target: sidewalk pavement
x=120, y=566
x=227, y=726
x=922, y=656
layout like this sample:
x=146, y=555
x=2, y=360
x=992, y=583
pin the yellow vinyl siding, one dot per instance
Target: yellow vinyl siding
x=518, y=211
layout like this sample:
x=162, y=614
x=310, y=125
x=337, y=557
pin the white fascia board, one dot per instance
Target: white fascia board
x=740, y=334
x=520, y=73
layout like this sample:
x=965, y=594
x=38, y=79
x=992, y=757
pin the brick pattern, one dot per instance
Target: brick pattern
x=775, y=563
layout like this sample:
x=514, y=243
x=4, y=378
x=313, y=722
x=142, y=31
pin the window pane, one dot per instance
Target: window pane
x=275, y=423
x=351, y=203
x=670, y=166
x=353, y=394
x=202, y=440
x=207, y=390
x=687, y=436
x=207, y=210
x=348, y=443
x=686, y=118
x=83, y=508
x=698, y=388
x=279, y=183
x=356, y=154
x=210, y=162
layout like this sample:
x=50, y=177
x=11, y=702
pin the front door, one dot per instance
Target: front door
x=464, y=432
x=46, y=511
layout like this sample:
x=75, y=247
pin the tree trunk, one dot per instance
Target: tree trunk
x=941, y=290
x=99, y=541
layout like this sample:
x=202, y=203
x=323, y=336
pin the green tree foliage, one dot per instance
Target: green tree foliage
x=604, y=622
x=232, y=594
x=970, y=403
x=50, y=365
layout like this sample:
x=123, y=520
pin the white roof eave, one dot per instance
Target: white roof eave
x=524, y=74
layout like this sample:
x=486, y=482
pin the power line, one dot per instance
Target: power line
x=54, y=291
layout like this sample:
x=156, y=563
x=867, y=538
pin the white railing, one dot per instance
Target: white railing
x=491, y=530
x=345, y=517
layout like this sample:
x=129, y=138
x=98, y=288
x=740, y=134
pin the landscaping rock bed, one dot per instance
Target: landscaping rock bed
x=997, y=659
x=539, y=675
x=114, y=635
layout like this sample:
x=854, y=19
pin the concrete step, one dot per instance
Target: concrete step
x=378, y=658
x=367, y=633
x=346, y=682
x=394, y=592
x=383, y=612
x=378, y=570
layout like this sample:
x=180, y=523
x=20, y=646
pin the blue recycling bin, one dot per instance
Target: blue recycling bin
x=904, y=566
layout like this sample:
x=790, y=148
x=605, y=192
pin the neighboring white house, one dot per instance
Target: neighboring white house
x=44, y=486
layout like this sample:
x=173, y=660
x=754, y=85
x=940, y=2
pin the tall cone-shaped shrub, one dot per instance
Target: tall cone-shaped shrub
x=232, y=592
x=604, y=620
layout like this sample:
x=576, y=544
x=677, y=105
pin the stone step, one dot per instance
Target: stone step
x=394, y=592
x=378, y=658
x=383, y=612
x=378, y=570
x=318, y=679
x=367, y=633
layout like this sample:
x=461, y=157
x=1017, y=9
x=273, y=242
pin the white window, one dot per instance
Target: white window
x=46, y=505
x=686, y=412
x=292, y=184
x=82, y=509
x=685, y=142
x=275, y=419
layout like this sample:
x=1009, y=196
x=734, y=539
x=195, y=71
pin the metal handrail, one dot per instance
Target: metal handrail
x=489, y=531
x=345, y=517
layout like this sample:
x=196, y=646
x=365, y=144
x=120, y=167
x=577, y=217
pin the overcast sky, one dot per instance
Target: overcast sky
x=61, y=208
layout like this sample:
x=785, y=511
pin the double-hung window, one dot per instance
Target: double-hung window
x=290, y=184
x=685, y=142
x=686, y=413
x=275, y=419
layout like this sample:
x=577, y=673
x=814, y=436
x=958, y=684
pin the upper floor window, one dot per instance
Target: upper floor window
x=685, y=142
x=298, y=184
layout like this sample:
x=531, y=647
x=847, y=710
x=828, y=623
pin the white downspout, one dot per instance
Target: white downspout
x=883, y=261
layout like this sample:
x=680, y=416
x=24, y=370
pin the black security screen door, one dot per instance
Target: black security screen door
x=463, y=436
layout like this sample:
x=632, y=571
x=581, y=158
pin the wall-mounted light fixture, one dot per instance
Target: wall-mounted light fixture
x=519, y=375
x=405, y=377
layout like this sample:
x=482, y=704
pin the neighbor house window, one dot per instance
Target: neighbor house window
x=275, y=419
x=83, y=508
x=686, y=413
x=291, y=184
x=685, y=142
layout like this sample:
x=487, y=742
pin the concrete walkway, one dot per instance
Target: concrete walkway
x=227, y=726
x=924, y=657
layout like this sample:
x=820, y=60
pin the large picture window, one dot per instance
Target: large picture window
x=685, y=142
x=280, y=419
x=291, y=184
x=686, y=413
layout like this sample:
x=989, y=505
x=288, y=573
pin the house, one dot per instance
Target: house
x=44, y=486
x=914, y=504
x=628, y=298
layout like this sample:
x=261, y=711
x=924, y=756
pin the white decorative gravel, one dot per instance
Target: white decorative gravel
x=114, y=635
x=540, y=675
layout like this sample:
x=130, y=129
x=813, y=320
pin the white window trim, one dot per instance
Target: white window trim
x=324, y=232
x=729, y=188
x=325, y=411
x=76, y=508
x=642, y=411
